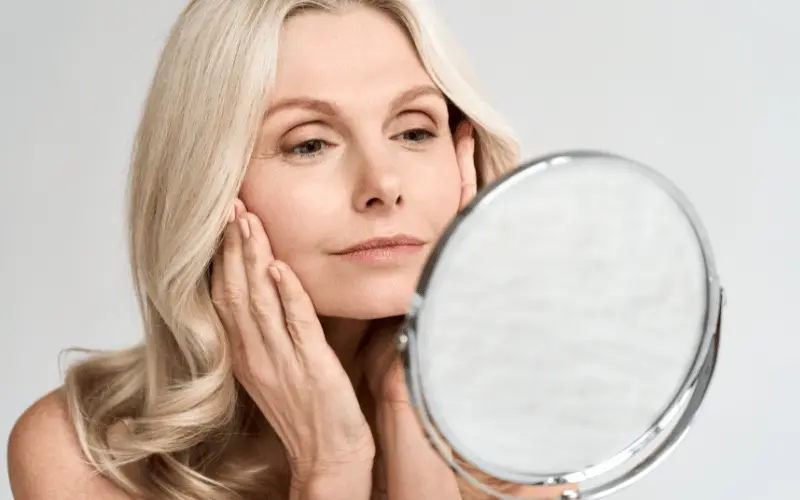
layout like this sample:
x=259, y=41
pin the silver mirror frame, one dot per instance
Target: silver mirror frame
x=675, y=420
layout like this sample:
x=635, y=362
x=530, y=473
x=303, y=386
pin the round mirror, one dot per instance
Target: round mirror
x=565, y=328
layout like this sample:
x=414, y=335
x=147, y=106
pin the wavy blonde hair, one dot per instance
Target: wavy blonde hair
x=187, y=419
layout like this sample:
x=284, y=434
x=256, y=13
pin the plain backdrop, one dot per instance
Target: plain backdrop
x=706, y=91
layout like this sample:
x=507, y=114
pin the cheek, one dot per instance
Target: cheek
x=440, y=191
x=283, y=212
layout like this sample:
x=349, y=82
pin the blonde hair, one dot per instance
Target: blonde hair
x=187, y=419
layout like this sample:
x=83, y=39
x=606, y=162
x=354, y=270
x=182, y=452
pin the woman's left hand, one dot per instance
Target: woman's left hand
x=386, y=375
x=409, y=468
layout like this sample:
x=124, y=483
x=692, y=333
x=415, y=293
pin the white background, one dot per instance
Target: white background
x=706, y=91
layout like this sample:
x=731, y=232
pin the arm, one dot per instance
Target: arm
x=282, y=359
x=413, y=468
x=409, y=467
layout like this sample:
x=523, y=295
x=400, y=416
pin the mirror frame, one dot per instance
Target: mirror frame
x=680, y=411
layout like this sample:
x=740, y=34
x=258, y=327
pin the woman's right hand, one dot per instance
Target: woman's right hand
x=282, y=359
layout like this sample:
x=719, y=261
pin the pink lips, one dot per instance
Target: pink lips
x=384, y=249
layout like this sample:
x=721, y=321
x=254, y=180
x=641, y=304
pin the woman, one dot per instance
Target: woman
x=295, y=162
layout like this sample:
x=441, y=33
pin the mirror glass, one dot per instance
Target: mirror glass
x=562, y=319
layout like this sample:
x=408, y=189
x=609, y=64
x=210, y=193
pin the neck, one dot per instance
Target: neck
x=346, y=337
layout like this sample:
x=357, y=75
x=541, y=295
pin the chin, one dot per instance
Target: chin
x=366, y=296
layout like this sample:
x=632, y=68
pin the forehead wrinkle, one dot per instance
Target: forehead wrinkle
x=329, y=108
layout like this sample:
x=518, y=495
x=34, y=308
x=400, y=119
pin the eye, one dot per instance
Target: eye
x=416, y=135
x=311, y=147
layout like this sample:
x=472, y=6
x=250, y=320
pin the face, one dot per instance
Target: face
x=355, y=147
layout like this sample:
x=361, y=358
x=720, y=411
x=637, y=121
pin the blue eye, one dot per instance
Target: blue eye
x=309, y=148
x=416, y=135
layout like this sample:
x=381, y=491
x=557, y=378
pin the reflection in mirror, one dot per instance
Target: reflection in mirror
x=565, y=328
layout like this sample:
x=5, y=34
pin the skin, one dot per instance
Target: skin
x=379, y=166
x=341, y=156
x=374, y=157
x=344, y=156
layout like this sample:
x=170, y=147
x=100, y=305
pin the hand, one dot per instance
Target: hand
x=409, y=467
x=386, y=380
x=282, y=359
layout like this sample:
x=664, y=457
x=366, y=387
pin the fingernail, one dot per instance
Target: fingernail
x=274, y=272
x=244, y=226
x=232, y=215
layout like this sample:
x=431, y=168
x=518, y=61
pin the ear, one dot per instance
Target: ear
x=465, y=155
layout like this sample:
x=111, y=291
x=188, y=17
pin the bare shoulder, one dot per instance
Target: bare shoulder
x=45, y=460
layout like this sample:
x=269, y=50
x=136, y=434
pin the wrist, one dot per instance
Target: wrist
x=351, y=481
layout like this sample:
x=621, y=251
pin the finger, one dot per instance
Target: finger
x=380, y=357
x=379, y=478
x=386, y=377
x=257, y=227
x=238, y=208
x=218, y=288
x=465, y=152
x=216, y=267
x=264, y=301
x=232, y=298
x=226, y=318
x=412, y=464
x=298, y=310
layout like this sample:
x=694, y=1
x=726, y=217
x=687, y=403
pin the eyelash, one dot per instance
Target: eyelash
x=293, y=149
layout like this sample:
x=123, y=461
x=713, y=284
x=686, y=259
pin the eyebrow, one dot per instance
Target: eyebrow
x=328, y=109
x=414, y=93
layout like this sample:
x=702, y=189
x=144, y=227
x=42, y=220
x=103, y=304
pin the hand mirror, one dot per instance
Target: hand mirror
x=565, y=328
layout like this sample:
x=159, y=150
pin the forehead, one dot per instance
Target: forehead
x=360, y=55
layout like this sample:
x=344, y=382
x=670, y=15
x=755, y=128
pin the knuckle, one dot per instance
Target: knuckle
x=232, y=297
x=216, y=298
x=260, y=306
x=298, y=323
x=299, y=312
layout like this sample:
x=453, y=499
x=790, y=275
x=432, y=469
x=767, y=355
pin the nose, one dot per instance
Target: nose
x=379, y=188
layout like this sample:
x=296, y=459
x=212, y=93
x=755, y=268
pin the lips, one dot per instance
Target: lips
x=400, y=240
